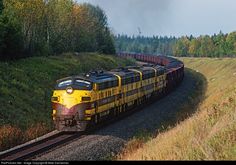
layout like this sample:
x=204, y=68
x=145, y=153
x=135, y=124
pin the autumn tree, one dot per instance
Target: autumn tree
x=207, y=47
x=194, y=47
x=43, y=27
x=91, y=30
x=59, y=25
x=181, y=47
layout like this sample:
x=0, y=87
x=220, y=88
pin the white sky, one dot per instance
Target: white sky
x=169, y=17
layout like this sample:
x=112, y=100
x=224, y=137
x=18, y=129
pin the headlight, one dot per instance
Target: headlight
x=69, y=90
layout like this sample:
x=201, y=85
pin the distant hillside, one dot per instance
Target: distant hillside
x=210, y=133
x=26, y=88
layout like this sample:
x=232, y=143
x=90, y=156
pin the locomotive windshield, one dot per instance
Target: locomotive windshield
x=75, y=84
x=65, y=83
x=83, y=85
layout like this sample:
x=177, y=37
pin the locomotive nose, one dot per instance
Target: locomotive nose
x=69, y=106
x=63, y=106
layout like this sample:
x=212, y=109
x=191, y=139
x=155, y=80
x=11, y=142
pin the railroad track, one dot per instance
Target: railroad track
x=29, y=151
x=39, y=147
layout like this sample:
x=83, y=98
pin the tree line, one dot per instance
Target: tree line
x=47, y=27
x=142, y=44
x=217, y=45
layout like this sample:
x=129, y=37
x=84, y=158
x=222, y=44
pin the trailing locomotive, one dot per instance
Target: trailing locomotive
x=85, y=100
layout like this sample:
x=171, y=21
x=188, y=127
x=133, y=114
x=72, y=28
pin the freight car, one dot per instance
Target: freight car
x=89, y=99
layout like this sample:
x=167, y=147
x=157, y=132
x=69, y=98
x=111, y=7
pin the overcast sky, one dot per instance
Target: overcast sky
x=169, y=17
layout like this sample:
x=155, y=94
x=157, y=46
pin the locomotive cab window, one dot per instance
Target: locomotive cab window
x=75, y=84
x=83, y=85
x=65, y=83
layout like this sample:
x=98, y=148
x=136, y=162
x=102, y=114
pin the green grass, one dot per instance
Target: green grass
x=208, y=134
x=26, y=88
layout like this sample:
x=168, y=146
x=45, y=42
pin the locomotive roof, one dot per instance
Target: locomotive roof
x=123, y=72
x=98, y=77
x=142, y=68
x=102, y=76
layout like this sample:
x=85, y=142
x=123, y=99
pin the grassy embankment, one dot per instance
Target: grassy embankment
x=210, y=133
x=26, y=87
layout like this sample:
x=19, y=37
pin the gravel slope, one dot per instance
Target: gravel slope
x=106, y=142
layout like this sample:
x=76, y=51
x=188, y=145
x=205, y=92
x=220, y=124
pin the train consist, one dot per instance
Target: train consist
x=86, y=100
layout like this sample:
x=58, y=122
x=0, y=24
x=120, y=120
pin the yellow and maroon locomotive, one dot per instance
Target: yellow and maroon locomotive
x=80, y=101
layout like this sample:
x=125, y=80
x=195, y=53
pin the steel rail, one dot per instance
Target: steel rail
x=38, y=147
